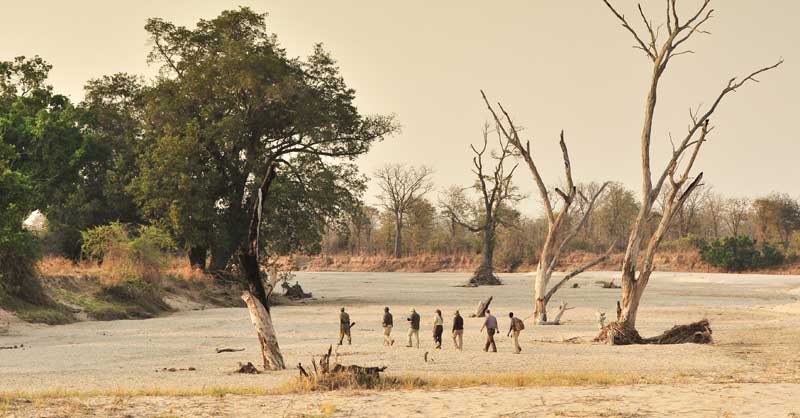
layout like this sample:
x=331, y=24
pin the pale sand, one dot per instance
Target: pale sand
x=752, y=370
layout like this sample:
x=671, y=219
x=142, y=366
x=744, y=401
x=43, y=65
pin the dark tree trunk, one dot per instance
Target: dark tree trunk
x=484, y=275
x=398, y=237
x=220, y=256
x=197, y=257
x=256, y=298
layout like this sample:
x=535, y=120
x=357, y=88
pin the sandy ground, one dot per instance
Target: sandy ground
x=753, y=369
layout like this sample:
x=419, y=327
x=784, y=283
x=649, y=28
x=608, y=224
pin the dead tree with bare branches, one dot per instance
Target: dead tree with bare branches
x=496, y=193
x=561, y=228
x=401, y=187
x=676, y=176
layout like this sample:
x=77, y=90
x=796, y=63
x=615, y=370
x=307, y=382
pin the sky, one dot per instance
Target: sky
x=553, y=64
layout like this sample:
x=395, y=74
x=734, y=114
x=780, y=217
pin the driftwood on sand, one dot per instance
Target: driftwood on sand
x=482, y=307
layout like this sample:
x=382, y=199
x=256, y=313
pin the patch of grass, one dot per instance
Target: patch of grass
x=408, y=382
x=128, y=299
x=386, y=382
x=50, y=313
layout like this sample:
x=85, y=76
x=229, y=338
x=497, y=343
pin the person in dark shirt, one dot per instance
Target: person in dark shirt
x=388, y=323
x=413, y=327
x=491, y=328
x=513, y=331
x=458, y=331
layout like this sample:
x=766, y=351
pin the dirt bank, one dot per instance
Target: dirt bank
x=688, y=261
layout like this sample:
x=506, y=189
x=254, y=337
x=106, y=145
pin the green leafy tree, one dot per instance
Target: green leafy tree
x=244, y=142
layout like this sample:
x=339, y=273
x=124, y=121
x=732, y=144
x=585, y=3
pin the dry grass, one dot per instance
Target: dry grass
x=384, y=383
x=410, y=382
x=59, y=266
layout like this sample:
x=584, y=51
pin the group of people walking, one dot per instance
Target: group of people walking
x=489, y=324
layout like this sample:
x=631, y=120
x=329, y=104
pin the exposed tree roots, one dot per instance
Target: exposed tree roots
x=484, y=276
x=295, y=291
x=247, y=368
x=697, y=333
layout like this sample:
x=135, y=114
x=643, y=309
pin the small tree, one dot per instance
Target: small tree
x=401, y=187
x=559, y=230
x=496, y=193
x=636, y=267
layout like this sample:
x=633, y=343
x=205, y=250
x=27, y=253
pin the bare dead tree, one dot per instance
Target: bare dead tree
x=677, y=174
x=559, y=229
x=496, y=192
x=737, y=211
x=401, y=187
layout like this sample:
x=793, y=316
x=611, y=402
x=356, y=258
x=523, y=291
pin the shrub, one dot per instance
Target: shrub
x=127, y=252
x=740, y=253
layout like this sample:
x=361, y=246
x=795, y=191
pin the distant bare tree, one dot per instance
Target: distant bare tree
x=559, y=230
x=714, y=208
x=496, y=192
x=737, y=211
x=636, y=268
x=401, y=187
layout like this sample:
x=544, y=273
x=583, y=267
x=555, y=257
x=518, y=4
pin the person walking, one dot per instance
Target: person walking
x=491, y=328
x=413, y=327
x=344, y=327
x=458, y=331
x=516, y=327
x=438, y=329
x=388, y=322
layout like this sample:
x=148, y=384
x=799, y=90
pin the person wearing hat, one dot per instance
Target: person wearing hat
x=413, y=327
x=344, y=327
x=388, y=322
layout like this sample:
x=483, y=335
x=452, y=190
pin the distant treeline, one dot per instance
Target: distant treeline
x=706, y=217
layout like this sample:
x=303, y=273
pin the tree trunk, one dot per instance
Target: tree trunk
x=262, y=320
x=197, y=257
x=220, y=255
x=540, y=285
x=484, y=275
x=256, y=297
x=398, y=237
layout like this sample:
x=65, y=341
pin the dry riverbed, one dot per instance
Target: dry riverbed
x=117, y=368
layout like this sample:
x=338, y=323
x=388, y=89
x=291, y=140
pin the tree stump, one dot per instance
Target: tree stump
x=482, y=307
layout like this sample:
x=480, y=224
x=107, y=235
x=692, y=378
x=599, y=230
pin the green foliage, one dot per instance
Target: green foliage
x=128, y=252
x=740, y=253
x=229, y=104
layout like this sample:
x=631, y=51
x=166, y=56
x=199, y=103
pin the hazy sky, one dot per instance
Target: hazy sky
x=553, y=64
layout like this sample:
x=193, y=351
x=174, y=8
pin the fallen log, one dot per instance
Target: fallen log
x=228, y=350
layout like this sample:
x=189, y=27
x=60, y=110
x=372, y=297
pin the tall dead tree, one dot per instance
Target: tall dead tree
x=560, y=231
x=401, y=187
x=496, y=192
x=677, y=174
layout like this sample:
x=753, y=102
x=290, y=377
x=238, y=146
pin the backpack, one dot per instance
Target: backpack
x=518, y=324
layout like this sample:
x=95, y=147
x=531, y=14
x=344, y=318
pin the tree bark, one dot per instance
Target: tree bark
x=262, y=320
x=398, y=236
x=257, y=297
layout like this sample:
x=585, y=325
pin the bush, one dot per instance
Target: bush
x=740, y=253
x=127, y=252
